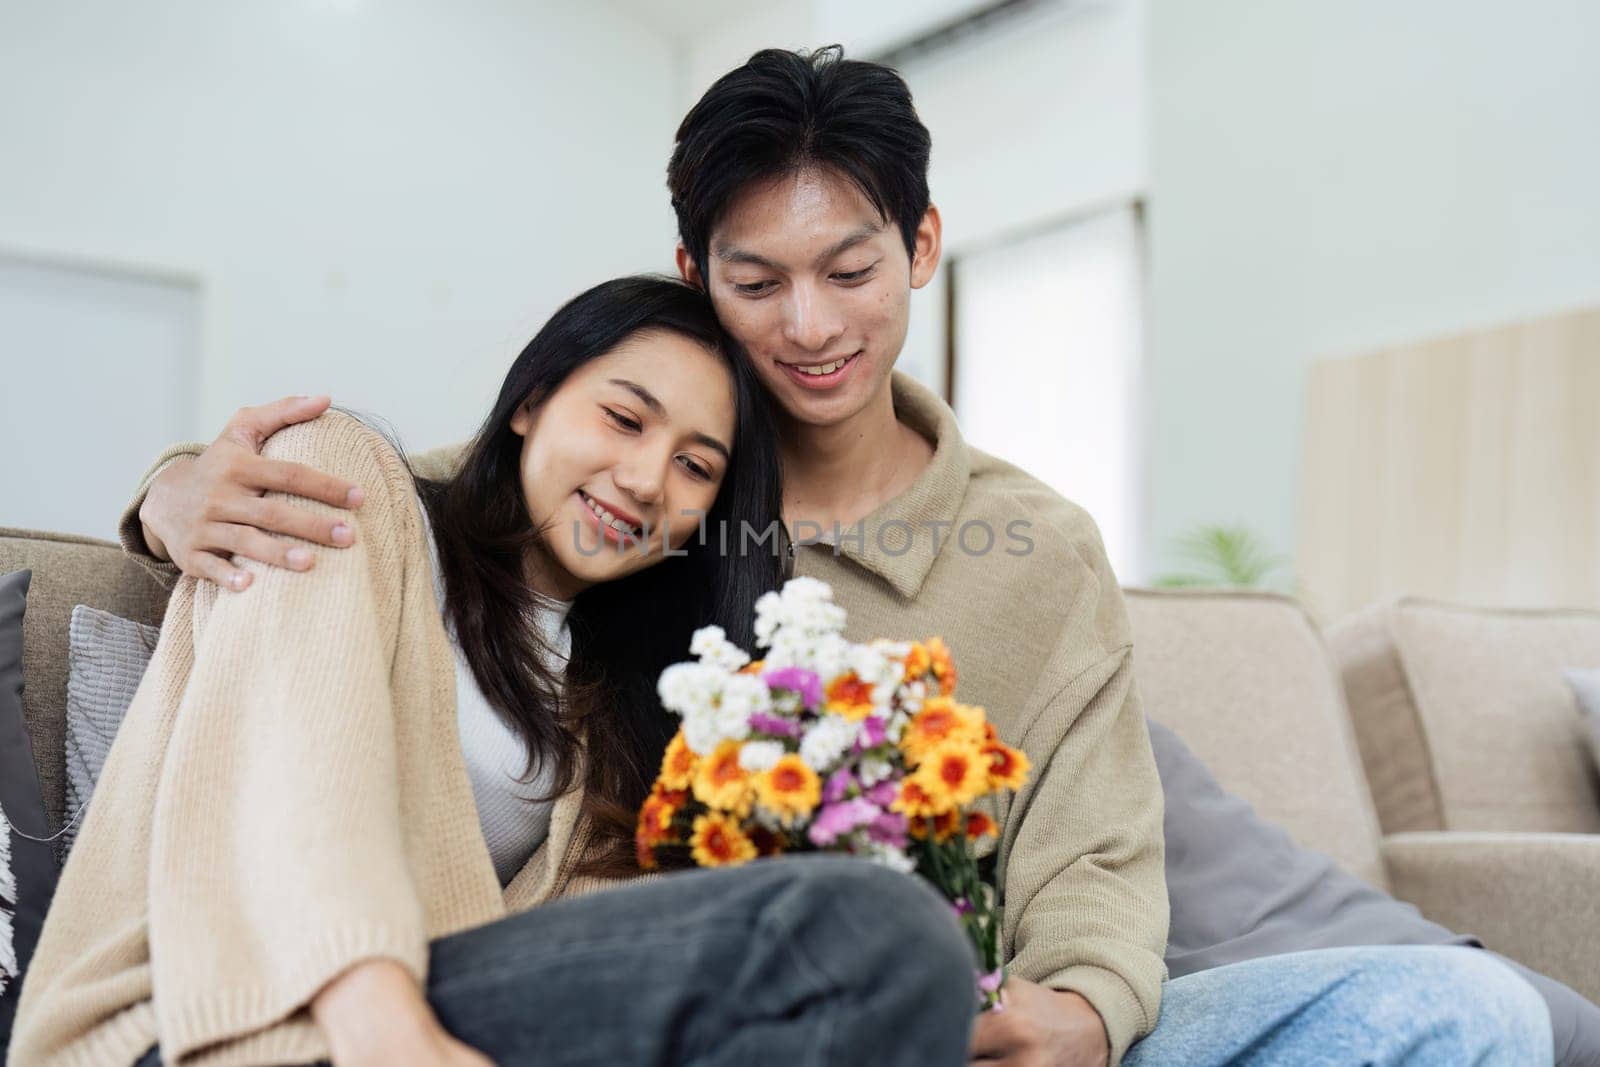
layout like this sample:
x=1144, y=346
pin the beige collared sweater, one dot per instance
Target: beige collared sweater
x=286, y=797
x=1041, y=636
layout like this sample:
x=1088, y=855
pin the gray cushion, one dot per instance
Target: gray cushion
x=1242, y=888
x=1586, y=686
x=107, y=656
x=32, y=863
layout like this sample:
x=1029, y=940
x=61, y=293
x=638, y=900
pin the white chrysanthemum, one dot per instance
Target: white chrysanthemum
x=758, y=756
x=769, y=608
x=826, y=740
x=889, y=857
x=879, y=670
x=689, y=688
x=711, y=644
x=744, y=695
x=873, y=771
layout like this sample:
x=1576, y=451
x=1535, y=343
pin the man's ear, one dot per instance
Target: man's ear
x=688, y=269
x=925, y=252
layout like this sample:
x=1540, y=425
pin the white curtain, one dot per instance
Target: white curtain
x=1048, y=346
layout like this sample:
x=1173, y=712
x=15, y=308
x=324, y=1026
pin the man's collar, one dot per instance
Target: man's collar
x=912, y=524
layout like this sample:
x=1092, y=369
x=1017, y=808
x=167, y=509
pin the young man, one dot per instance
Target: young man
x=800, y=186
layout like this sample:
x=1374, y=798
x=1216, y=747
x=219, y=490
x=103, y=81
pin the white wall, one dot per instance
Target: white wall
x=1327, y=177
x=381, y=200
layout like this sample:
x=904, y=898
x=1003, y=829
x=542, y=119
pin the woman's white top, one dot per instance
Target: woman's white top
x=514, y=821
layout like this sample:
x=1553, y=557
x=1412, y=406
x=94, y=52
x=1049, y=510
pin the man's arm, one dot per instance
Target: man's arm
x=1084, y=882
x=202, y=506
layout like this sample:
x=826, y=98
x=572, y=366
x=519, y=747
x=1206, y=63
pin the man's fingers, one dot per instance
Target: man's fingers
x=992, y=1037
x=251, y=427
x=210, y=567
x=251, y=543
x=283, y=517
x=296, y=479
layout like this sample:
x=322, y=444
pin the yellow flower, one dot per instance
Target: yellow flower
x=718, y=841
x=1007, y=767
x=677, y=766
x=850, y=697
x=979, y=824
x=941, y=827
x=944, y=668
x=754, y=667
x=789, y=789
x=655, y=823
x=720, y=783
x=941, y=720
x=916, y=802
x=953, y=774
x=918, y=662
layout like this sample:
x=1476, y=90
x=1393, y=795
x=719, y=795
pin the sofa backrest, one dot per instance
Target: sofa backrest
x=1464, y=719
x=67, y=571
x=1246, y=681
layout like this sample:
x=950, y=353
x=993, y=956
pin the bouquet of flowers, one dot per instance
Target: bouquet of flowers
x=829, y=745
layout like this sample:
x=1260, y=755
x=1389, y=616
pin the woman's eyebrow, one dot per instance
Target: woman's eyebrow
x=648, y=399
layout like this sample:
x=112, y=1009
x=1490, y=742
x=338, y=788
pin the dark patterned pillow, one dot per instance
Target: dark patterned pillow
x=29, y=877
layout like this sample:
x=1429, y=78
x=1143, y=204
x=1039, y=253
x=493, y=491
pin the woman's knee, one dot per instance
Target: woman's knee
x=895, y=917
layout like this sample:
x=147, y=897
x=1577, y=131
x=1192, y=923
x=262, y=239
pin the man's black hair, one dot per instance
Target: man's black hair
x=783, y=112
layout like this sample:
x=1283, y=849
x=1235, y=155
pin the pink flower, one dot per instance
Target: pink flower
x=838, y=786
x=799, y=680
x=884, y=793
x=836, y=820
x=776, y=725
x=872, y=733
x=888, y=828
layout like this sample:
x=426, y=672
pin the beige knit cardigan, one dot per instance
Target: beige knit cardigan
x=287, y=797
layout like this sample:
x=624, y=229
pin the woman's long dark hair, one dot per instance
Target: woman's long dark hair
x=607, y=719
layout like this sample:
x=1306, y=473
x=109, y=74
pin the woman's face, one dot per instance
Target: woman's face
x=620, y=459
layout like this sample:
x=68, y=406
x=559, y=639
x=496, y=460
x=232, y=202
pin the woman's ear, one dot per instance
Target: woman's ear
x=522, y=418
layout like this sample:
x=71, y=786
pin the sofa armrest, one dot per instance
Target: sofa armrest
x=1533, y=896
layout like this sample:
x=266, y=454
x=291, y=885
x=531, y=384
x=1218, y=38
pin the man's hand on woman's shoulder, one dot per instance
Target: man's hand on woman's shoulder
x=203, y=512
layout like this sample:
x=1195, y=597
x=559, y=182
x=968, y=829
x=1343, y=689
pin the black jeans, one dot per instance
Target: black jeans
x=806, y=960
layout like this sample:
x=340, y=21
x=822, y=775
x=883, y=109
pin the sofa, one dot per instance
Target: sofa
x=1421, y=746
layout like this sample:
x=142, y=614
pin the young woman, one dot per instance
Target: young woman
x=339, y=799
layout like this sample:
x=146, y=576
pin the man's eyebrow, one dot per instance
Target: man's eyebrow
x=648, y=399
x=866, y=231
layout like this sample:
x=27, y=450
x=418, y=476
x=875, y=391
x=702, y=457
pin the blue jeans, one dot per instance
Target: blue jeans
x=811, y=960
x=1414, y=1005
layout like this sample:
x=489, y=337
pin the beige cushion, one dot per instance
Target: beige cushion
x=1389, y=734
x=1245, y=680
x=1492, y=723
x=66, y=571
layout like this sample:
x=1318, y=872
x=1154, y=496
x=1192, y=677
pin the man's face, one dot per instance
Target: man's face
x=817, y=287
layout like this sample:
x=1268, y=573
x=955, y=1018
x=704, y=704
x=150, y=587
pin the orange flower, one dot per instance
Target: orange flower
x=941, y=827
x=944, y=668
x=916, y=802
x=789, y=788
x=718, y=842
x=980, y=825
x=918, y=662
x=953, y=774
x=940, y=720
x=754, y=667
x=720, y=783
x=850, y=697
x=1008, y=767
x=644, y=854
x=677, y=766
